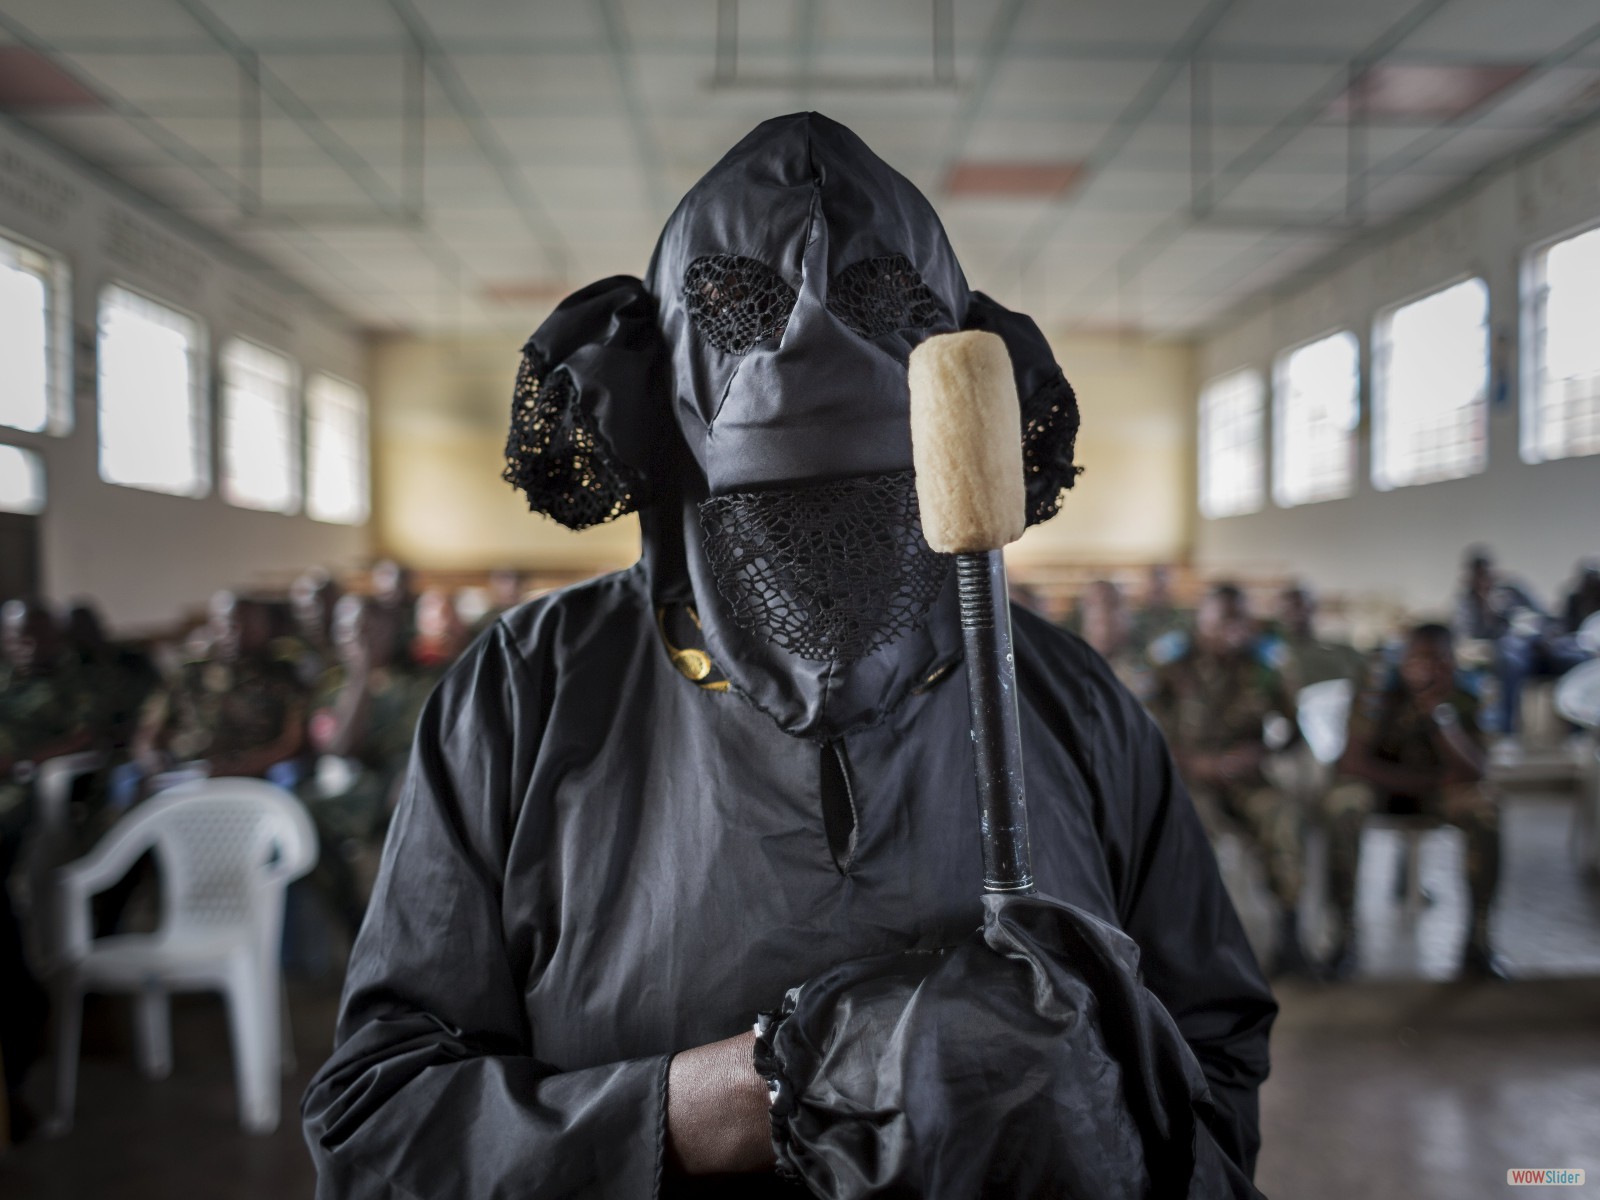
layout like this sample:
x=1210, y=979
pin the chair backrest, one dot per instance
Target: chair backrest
x=1324, y=714
x=1577, y=694
x=226, y=849
x=49, y=845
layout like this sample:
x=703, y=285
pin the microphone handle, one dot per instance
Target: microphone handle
x=996, y=731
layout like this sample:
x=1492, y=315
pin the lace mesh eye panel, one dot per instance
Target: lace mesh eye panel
x=1049, y=432
x=884, y=295
x=736, y=302
x=557, y=457
x=830, y=572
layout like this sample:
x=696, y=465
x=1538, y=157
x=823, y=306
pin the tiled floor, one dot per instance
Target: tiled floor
x=1397, y=1085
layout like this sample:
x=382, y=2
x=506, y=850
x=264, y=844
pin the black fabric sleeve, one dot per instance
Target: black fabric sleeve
x=431, y=1089
x=1194, y=954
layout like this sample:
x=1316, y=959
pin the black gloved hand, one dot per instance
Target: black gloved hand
x=1027, y=1061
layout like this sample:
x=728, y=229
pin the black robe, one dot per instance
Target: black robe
x=597, y=863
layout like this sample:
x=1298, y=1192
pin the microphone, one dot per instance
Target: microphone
x=966, y=445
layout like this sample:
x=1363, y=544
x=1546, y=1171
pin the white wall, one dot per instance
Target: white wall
x=142, y=555
x=1405, y=545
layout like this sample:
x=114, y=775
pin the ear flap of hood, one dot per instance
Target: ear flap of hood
x=1049, y=406
x=589, y=417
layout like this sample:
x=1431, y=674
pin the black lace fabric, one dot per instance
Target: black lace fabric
x=735, y=302
x=557, y=458
x=828, y=572
x=1049, y=430
x=883, y=295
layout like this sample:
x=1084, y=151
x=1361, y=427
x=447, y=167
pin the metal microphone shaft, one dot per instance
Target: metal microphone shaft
x=996, y=735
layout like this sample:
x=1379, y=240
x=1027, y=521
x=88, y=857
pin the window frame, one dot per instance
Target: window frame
x=1203, y=466
x=55, y=273
x=298, y=464
x=1380, y=354
x=1535, y=298
x=40, y=470
x=1280, y=368
x=200, y=416
x=364, y=442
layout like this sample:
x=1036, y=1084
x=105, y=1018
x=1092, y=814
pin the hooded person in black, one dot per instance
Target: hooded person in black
x=641, y=809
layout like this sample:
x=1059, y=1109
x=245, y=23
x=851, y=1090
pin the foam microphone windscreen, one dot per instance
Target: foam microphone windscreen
x=966, y=441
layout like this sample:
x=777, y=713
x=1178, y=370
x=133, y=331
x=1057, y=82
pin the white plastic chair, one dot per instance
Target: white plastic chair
x=1323, y=710
x=226, y=849
x=1577, y=698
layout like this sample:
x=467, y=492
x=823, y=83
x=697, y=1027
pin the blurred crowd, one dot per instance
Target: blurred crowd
x=317, y=690
x=1277, y=726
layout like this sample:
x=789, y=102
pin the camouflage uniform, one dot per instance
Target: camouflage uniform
x=1386, y=721
x=122, y=679
x=36, y=711
x=1207, y=705
x=1309, y=660
x=218, y=710
x=354, y=816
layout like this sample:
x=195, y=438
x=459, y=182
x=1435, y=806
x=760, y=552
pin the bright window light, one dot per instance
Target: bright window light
x=32, y=288
x=336, y=451
x=1430, y=388
x=21, y=481
x=1316, y=398
x=1231, y=437
x=152, y=419
x=1561, y=411
x=260, y=428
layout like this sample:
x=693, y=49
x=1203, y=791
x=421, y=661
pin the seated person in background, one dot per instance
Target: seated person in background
x=1214, y=701
x=365, y=713
x=237, y=710
x=49, y=704
x=1492, y=607
x=311, y=600
x=1415, y=747
x=1308, y=659
x=1107, y=625
x=1158, y=613
x=48, y=707
x=440, y=636
x=120, y=676
x=394, y=592
x=1583, y=598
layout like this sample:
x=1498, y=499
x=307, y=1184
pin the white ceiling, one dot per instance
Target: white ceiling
x=556, y=137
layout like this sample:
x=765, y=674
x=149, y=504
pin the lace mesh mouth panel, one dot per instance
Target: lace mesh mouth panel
x=736, y=303
x=884, y=295
x=829, y=572
x=556, y=456
x=1049, y=431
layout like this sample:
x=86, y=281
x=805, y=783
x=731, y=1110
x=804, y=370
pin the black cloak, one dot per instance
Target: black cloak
x=640, y=809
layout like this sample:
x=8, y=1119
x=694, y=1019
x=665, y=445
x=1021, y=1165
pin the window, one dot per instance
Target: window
x=1316, y=397
x=1430, y=388
x=336, y=451
x=21, y=481
x=1230, y=445
x=33, y=340
x=1561, y=408
x=152, y=419
x=260, y=428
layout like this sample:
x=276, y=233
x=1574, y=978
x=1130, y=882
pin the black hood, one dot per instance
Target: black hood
x=760, y=370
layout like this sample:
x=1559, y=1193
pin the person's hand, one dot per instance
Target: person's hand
x=718, y=1114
